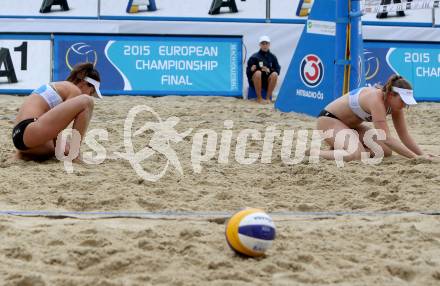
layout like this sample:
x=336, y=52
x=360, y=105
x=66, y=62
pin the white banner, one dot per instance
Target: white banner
x=251, y=9
x=31, y=59
x=31, y=8
x=321, y=27
x=413, y=5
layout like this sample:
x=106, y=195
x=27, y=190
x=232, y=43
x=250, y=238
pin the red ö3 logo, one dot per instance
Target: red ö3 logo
x=311, y=70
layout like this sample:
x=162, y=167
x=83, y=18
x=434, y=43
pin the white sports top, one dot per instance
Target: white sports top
x=49, y=94
x=353, y=102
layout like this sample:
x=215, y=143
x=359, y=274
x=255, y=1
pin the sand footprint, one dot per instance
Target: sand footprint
x=401, y=271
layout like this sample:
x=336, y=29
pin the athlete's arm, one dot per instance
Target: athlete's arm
x=402, y=130
x=378, y=113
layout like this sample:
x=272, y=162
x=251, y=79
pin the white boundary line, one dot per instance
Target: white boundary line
x=204, y=215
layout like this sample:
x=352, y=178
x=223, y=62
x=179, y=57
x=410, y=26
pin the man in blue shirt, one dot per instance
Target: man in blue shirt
x=262, y=70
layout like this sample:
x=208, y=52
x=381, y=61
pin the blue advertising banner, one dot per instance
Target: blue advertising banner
x=156, y=65
x=419, y=63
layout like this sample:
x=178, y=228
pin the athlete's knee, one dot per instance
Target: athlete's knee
x=353, y=156
x=387, y=152
x=273, y=76
x=86, y=101
x=257, y=74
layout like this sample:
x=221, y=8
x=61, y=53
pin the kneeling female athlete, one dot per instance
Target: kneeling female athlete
x=51, y=108
x=370, y=104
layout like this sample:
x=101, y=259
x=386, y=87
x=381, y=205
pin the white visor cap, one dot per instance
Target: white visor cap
x=264, y=39
x=407, y=95
x=96, y=84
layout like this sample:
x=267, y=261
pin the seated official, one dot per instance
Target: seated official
x=262, y=70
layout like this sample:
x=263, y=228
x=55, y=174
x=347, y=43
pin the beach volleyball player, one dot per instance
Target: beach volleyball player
x=371, y=104
x=51, y=108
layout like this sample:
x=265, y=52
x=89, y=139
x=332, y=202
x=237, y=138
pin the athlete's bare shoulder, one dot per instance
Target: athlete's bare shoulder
x=371, y=90
x=67, y=84
x=67, y=88
x=372, y=93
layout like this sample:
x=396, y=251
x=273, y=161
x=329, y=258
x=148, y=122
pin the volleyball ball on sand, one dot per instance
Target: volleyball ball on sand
x=250, y=232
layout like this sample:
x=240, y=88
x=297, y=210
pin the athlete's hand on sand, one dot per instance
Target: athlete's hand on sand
x=429, y=157
x=433, y=157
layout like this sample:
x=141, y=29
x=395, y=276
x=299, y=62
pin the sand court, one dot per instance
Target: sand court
x=379, y=236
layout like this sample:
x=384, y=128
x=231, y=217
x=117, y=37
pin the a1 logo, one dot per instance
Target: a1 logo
x=6, y=61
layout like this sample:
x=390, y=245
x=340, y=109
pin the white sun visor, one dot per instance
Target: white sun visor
x=96, y=84
x=407, y=95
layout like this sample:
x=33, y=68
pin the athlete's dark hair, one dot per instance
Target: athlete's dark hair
x=396, y=81
x=80, y=71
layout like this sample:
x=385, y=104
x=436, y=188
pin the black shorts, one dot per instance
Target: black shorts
x=264, y=80
x=18, y=133
x=325, y=113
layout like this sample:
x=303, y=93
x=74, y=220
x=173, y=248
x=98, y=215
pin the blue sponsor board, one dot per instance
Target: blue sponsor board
x=156, y=65
x=419, y=63
x=308, y=85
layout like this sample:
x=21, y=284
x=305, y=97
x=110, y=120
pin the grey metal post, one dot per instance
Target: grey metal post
x=99, y=9
x=52, y=58
x=267, y=11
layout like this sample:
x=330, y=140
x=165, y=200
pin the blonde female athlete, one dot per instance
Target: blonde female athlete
x=370, y=104
x=51, y=108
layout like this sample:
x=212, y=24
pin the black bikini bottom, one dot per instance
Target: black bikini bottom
x=325, y=113
x=18, y=133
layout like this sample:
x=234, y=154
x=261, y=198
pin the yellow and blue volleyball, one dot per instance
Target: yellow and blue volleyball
x=250, y=232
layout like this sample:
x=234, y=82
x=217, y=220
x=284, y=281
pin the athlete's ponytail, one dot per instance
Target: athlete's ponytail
x=80, y=71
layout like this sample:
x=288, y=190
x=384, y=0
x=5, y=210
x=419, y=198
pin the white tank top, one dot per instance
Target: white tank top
x=353, y=102
x=49, y=94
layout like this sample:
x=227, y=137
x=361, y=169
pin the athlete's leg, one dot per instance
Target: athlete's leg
x=41, y=152
x=338, y=143
x=272, y=83
x=256, y=79
x=362, y=129
x=49, y=125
